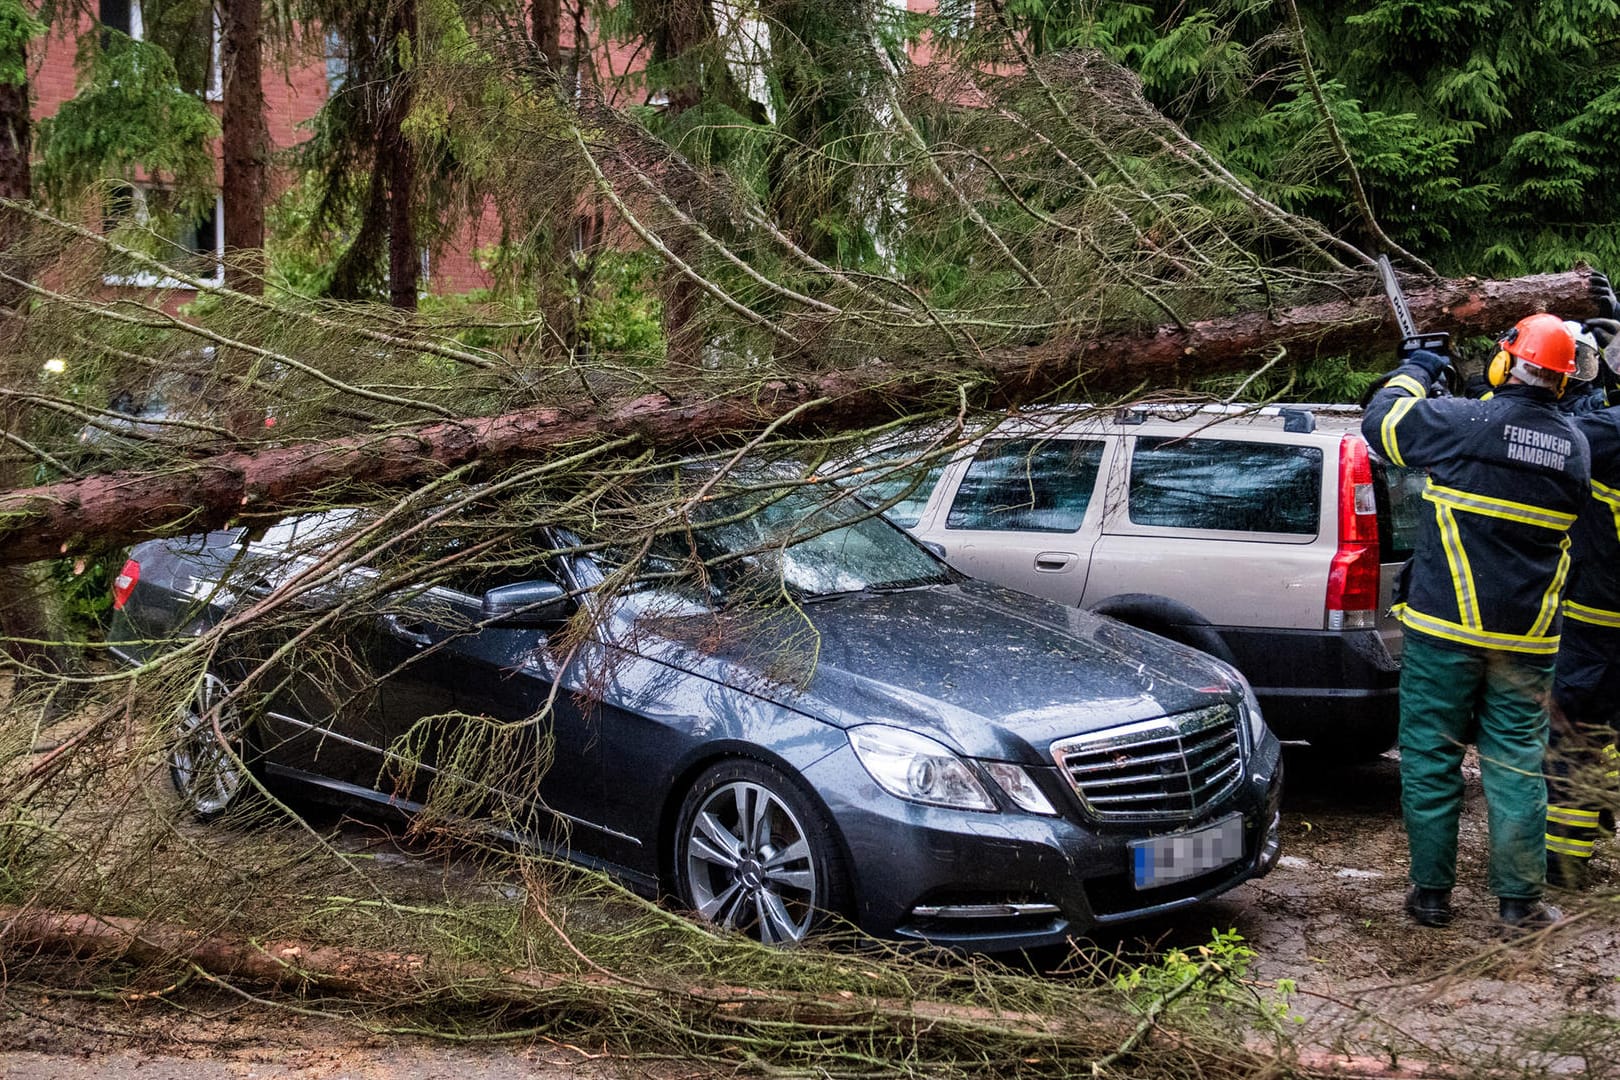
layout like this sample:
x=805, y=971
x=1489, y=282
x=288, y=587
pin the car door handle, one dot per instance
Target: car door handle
x=1054, y=562
x=411, y=630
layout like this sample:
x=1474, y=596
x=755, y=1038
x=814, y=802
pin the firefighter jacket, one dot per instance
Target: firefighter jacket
x=1594, y=581
x=1507, y=478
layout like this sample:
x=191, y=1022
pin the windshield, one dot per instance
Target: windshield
x=808, y=543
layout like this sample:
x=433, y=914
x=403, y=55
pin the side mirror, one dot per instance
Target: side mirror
x=527, y=604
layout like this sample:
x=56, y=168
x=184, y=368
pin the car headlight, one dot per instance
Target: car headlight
x=1251, y=707
x=914, y=767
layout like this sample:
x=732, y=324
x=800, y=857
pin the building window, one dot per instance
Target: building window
x=123, y=16
x=337, y=62
x=194, y=246
x=191, y=37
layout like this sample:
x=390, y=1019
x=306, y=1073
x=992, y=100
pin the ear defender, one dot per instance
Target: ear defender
x=1500, y=368
x=1501, y=365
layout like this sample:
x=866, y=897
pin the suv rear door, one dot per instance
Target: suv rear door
x=1024, y=512
x=1230, y=526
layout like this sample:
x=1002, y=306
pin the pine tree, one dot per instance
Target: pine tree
x=1484, y=131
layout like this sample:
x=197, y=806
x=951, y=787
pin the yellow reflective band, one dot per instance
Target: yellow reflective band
x=1506, y=509
x=1603, y=493
x=1549, y=599
x=1410, y=385
x=1611, y=751
x=1468, y=635
x=1595, y=616
x=1462, y=576
x=1581, y=849
x=1386, y=430
x=1568, y=815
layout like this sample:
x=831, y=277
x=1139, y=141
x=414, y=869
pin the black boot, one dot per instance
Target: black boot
x=1526, y=914
x=1431, y=907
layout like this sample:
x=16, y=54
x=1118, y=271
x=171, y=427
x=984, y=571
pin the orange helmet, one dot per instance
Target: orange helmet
x=1542, y=340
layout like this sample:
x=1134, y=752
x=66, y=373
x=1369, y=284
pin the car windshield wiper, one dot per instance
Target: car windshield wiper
x=906, y=584
x=878, y=588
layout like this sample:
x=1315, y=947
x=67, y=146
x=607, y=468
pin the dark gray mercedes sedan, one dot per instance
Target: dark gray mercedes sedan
x=820, y=722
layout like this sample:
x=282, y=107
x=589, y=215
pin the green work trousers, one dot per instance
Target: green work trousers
x=1452, y=696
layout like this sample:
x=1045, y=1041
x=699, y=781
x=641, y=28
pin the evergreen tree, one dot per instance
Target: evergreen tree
x=1484, y=131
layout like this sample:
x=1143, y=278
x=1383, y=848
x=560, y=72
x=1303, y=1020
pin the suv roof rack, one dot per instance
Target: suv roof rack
x=1296, y=416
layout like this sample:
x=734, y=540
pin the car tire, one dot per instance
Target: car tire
x=756, y=854
x=208, y=766
x=1169, y=619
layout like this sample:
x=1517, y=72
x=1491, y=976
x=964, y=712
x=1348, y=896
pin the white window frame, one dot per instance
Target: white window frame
x=215, y=90
x=146, y=279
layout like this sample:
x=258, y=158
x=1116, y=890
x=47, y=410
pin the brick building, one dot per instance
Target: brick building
x=295, y=88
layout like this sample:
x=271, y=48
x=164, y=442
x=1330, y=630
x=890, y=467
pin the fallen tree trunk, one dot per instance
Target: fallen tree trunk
x=379, y=976
x=113, y=509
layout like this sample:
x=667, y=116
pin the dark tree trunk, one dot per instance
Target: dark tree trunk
x=545, y=17
x=16, y=181
x=112, y=509
x=246, y=145
x=404, y=253
x=25, y=607
x=555, y=297
x=684, y=32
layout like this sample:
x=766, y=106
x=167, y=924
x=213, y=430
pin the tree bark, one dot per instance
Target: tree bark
x=404, y=252
x=16, y=178
x=376, y=975
x=24, y=614
x=245, y=145
x=545, y=17
x=682, y=32
x=114, y=509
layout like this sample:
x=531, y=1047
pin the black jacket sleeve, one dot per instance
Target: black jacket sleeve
x=1408, y=427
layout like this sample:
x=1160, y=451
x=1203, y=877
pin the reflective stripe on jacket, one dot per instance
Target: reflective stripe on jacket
x=1594, y=580
x=1507, y=479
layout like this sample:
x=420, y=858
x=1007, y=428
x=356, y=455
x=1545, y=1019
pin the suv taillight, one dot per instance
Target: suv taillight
x=1352, y=591
x=124, y=583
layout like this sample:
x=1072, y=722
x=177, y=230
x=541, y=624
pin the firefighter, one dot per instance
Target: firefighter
x=1507, y=478
x=1582, y=759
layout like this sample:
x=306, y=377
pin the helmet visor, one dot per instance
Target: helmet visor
x=1586, y=361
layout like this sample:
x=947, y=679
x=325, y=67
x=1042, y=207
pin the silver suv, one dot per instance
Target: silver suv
x=1268, y=537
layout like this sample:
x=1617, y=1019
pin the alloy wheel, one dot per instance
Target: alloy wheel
x=206, y=762
x=750, y=865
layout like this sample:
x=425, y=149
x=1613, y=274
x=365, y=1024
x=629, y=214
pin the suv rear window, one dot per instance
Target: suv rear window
x=1022, y=485
x=1224, y=484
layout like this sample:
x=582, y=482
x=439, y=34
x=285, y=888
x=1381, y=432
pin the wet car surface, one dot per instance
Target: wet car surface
x=932, y=757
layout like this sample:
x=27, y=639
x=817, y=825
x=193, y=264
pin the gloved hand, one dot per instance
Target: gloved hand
x=1602, y=293
x=1432, y=363
x=1602, y=330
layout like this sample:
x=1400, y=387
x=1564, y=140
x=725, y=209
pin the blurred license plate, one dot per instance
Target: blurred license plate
x=1163, y=859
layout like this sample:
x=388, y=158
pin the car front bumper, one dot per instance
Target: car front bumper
x=1012, y=880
